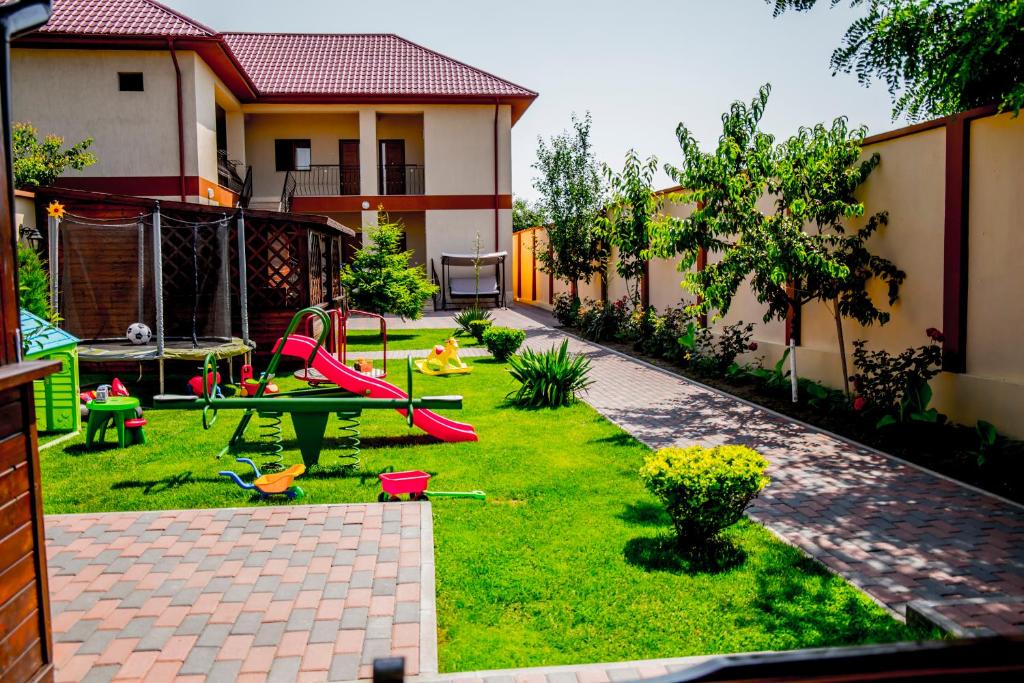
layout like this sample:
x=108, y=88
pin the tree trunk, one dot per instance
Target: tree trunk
x=842, y=345
x=574, y=289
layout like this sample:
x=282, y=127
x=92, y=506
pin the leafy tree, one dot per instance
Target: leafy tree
x=571, y=196
x=937, y=57
x=38, y=163
x=626, y=222
x=799, y=250
x=526, y=214
x=380, y=279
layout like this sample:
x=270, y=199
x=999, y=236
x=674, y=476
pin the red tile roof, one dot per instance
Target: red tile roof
x=278, y=66
x=358, y=64
x=121, y=18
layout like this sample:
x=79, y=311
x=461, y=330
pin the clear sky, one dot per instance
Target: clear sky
x=639, y=66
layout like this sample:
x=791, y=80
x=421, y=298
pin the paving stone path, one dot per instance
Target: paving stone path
x=904, y=535
x=249, y=594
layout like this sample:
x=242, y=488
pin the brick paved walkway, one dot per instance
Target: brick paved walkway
x=268, y=593
x=899, y=533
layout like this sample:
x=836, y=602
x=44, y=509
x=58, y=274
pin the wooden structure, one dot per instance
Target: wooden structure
x=292, y=261
x=26, y=646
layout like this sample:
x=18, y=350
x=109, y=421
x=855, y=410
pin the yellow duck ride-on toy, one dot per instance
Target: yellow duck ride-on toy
x=444, y=360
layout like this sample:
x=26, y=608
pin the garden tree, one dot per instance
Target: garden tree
x=571, y=196
x=797, y=251
x=526, y=214
x=937, y=57
x=626, y=221
x=38, y=163
x=380, y=280
x=34, y=284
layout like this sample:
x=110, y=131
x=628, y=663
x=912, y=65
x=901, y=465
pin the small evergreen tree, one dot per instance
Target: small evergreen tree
x=380, y=279
x=34, y=284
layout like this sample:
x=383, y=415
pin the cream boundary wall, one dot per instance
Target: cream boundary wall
x=909, y=183
x=74, y=94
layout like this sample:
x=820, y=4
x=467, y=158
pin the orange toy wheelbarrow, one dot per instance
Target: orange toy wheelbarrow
x=267, y=485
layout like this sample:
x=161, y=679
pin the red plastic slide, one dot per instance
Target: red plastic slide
x=364, y=385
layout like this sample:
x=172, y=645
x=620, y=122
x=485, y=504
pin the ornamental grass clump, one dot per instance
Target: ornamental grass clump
x=549, y=379
x=705, y=490
x=466, y=317
x=502, y=342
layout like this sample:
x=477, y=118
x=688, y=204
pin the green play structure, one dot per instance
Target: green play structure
x=310, y=409
x=57, y=405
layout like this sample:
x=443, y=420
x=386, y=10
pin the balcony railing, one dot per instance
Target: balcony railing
x=325, y=180
x=400, y=179
x=234, y=176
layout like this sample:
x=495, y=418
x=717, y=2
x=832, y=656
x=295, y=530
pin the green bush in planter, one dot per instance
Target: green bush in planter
x=704, y=490
x=478, y=327
x=502, y=342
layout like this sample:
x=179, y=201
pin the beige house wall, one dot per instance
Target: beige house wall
x=909, y=183
x=323, y=131
x=459, y=149
x=74, y=94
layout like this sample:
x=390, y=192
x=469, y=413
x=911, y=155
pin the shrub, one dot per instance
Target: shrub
x=566, y=310
x=896, y=386
x=502, y=342
x=704, y=490
x=549, y=378
x=716, y=353
x=600, y=321
x=477, y=328
x=380, y=280
x=467, y=315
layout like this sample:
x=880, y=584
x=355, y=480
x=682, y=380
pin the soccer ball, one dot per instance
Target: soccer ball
x=139, y=334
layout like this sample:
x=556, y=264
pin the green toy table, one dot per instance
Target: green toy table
x=116, y=408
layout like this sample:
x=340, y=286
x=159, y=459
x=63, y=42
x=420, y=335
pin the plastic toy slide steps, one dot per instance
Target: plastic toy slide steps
x=348, y=379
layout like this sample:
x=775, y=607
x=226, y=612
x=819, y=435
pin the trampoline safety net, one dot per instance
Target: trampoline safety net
x=172, y=275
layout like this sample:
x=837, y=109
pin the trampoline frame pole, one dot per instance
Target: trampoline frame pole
x=142, y=272
x=53, y=248
x=158, y=285
x=243, y=279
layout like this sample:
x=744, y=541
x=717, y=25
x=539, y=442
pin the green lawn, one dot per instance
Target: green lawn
x=402, y=340
x=559, y=565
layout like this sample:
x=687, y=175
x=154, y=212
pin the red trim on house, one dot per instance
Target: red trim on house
x=396, y=203
x=151, y=186
x=955, y=245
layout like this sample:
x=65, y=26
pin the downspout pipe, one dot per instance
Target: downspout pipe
x=497, y=244
x=181, y=120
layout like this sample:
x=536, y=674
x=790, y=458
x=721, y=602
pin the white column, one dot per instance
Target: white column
x=369, y=221
x=368, y=154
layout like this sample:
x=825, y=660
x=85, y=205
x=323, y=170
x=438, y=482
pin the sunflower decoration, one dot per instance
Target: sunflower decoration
x=55, y=210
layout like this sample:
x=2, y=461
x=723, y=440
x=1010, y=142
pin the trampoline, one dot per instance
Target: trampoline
x=173, y=275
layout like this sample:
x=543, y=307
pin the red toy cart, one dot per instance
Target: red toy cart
x=414, y=482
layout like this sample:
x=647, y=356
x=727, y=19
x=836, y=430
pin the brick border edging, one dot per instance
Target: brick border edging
x=629, y=667
x=814, y=428
x=428, y=593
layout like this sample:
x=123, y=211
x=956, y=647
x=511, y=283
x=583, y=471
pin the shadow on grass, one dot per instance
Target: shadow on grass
x=645, y=513
x=173, y=481
x=618, y=439
x=797, y=602
x=662, y=553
